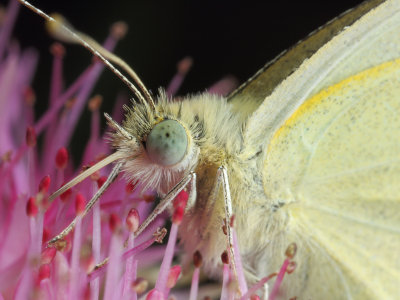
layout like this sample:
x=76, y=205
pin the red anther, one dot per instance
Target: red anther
x=44, y=184
x=173, y=276
x=133, y=220
x=197, y=259
x=44, y=272
x=30, y=137
x=119, y=29
x=101, y=181
x=149, y=198
x=291, y=250
x=140, y=285
x=70, y=103
x=45, y=235
x=178, y=215
x=79, y=204
x=48, y=255
x=179, y=206
x=181, y=199
x=225, y=257
x=130, y=187
x=184, y=65
x=114, y=223
x=31, y=207
x=29, y=96
x=95, y=103
x=66, y=195
x=254, y=297
x=224, y=228
x=62, y=158
x=155, y=295
x=57, y=49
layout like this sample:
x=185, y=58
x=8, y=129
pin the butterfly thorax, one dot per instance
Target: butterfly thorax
x=214, y=140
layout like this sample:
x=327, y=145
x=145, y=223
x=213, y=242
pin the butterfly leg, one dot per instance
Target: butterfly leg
x=167, y=200
x=222, y=178
x=114, y=173
x=163, y=205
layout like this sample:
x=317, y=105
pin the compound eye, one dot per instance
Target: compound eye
x=167, y=142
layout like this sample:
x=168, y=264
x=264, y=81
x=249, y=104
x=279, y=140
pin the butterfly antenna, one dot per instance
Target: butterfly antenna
x=65, y=33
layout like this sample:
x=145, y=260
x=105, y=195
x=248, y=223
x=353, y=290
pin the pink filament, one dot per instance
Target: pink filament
x=278, y=281
x=161, y=283
x=238, y=263
x=195, y=284
x=74, y=288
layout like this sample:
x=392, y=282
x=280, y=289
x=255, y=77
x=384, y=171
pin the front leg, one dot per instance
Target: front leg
x=162, y=206
x=222, y=178
x=111, y=177
x=165, y=202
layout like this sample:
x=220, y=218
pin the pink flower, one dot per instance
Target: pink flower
x=34, y=162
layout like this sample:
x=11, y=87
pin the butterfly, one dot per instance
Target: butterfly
x=309, y=149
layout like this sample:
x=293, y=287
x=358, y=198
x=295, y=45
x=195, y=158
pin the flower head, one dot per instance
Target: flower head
x=35, y=161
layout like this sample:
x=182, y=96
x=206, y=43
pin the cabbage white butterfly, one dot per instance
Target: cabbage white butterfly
x=313, y=158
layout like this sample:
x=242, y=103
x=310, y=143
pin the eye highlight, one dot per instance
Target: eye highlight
x=167, y=142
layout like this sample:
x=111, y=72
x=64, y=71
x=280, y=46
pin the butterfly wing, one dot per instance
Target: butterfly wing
x=336, y=165
x=248, y=97
x=332, y=163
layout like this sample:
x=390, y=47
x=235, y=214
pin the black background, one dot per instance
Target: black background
x=223, y=37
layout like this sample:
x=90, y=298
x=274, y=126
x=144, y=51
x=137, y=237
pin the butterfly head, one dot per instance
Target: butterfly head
x=163, y=150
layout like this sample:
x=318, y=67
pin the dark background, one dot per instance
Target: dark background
x=223, y=37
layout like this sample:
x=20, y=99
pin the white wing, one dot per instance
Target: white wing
x=373, y=39
x=331, y=154
x=336, y=165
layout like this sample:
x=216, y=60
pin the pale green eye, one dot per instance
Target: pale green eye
x=167, y=142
